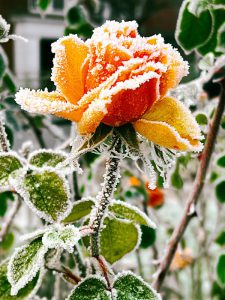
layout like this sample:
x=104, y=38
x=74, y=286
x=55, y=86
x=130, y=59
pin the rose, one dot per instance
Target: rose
x=117, y=77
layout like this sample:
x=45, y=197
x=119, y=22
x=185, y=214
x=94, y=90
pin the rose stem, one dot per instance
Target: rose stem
x=190, y=207
x=104, y=196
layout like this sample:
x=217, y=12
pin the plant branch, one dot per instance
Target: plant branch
x=37, y=131
x=4, y=144
x=104, y=196
x=190, y=208
x=9, y=220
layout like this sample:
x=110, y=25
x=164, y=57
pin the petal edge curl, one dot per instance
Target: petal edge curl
x=165, y=135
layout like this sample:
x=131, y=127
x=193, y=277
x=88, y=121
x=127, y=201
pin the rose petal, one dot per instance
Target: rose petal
x=175, y=114
x=44, y=102
x=70, y=53
x=165, y=135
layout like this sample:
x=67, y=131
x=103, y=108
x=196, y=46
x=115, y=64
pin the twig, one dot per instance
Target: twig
x=9, y=220
x=190, y=207
x=67, y=273
x=77, y=195
x=79, y=261
x=37, y=132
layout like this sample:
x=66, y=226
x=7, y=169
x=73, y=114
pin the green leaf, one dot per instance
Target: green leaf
x=2, y=65
x=43, y=4
x=7, y=242
x=46, y=158
x=220, y=269
x=5, y=286
x=3, y=201
x=91, y=288
x=123, y=210
x=211, y=45
x=101, y=133
x=220, y=191
x=176, y=180
x=201, y=119
x=9, y=83
x=9, y=163
x=47, y=193
x=80, y=209
x=129, y=286
x=220, y=240
x=221, y=39
x=128, y=135
x=75, y=15
x=65, y=238
x=148, y=237
x=117, y=239
x=193, y=31
x=221, y=161
x=25, y=264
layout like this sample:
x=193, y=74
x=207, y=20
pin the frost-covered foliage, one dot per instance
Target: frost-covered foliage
x=90, y=218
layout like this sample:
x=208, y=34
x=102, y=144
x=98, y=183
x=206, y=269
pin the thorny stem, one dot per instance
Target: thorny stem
x=109, y=184
x=104, y=196
x=190, y=208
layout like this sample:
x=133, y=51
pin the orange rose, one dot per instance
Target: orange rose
x=117, y=77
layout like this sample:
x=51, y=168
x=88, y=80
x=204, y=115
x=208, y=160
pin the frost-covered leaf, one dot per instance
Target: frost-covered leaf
x=221, y=268
x=91, y=288
x=211, y=45
x=126, y=211
x=128, y=286
x=188, y=23
x=25, y=264
x=4, y=28
x=101, y=133
x=65, y=238
x=220, y=191
x=128, y=135
x=4, y=197
x=221, y=161
x=80, y=209
x=118, y=238
x=5, y=286
x=46, y=158
x=47, y=193
x=9, y=162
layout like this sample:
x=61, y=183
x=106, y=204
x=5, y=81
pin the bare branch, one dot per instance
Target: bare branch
x=190, y=208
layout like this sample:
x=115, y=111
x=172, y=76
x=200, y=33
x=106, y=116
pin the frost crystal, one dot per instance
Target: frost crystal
x=65, y=237
x=25, y=263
